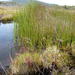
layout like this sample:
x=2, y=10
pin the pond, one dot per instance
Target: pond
x=6, y=42
x=7, y=39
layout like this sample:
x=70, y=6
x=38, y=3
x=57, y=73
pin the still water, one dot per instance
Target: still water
x=6, y=42
x=7, y=38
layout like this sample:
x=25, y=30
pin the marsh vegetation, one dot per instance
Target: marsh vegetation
x=46, y=37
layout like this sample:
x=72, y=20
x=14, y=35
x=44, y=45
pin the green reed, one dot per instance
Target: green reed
x=39, y=26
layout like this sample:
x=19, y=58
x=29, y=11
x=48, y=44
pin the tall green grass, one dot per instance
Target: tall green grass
x=39, y=26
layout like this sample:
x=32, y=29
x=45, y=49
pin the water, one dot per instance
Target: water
x=7, y=38
x=6, y=42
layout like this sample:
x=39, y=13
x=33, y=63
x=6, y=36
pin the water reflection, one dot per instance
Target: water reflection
x=6, y=41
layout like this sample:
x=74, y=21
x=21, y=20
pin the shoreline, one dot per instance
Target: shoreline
x=7, y=11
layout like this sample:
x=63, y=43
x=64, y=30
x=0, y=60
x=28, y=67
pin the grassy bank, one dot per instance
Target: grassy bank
x=48, y=35
x=49, y=62
x=7, y=13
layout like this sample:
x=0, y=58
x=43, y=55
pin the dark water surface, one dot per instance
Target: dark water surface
x=6, y=42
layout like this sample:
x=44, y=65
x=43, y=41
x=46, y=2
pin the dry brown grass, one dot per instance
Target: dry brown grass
x=7, y=13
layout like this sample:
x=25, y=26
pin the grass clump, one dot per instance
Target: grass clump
x=52, y=54
x=29, y=27
x=26, y=63
x=34, y=63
